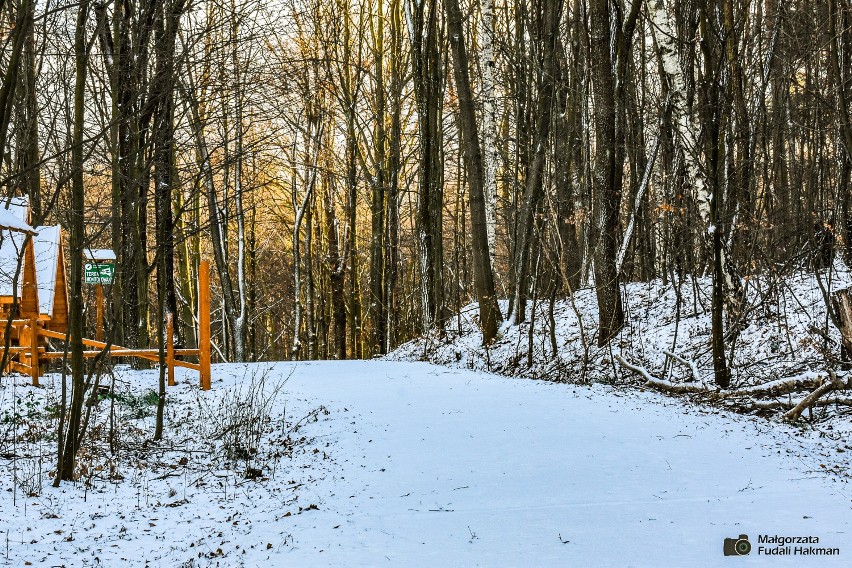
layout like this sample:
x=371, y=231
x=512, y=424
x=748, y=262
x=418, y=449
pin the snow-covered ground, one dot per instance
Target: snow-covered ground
x=380, y=463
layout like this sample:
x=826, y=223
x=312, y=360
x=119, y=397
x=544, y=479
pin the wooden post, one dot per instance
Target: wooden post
x=170, y=348
x=99, y=312
x=204, y=323
x=34, y=350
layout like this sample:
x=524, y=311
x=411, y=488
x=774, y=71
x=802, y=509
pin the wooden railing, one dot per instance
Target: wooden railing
x=30, y=353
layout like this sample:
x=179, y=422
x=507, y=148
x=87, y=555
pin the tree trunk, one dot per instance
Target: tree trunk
x=17, y=38
x=240, y=322
x=337, y=272
x=489, y=123
x=841, y=302
x=310, y=288
x=77, y=244
x=29, y=171
x=606, y=177
x=312, y=143
x=168, y=20
x=489, y=312
x=547, y=42
x=394, y=167
x=428, y=89
x=377, y=238
x=216, y=222
x=352, y=238
x=567, y=144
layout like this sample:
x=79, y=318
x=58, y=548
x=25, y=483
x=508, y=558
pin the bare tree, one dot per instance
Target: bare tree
x=489, y=311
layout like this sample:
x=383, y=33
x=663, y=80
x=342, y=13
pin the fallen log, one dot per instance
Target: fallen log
x=776, y=388
x=808, y=380
x=661, y=384
x=833, y=384
x=777, y=404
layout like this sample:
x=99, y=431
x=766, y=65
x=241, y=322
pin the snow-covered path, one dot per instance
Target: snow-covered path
x=417, y=465
x=451, y=468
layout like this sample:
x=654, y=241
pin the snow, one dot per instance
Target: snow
x=11, y=250
x=784, y=334
x=13, y=215
x=10, y=221
x=46, y=242
x=100, y=254
x=385, y=463
x=46, y=252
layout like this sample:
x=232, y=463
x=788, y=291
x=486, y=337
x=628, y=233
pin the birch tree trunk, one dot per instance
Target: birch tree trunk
x=489, y=123
x=238, y=324
x=725, y=281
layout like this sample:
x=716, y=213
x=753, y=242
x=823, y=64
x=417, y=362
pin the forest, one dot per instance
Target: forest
x=360, y=171
x=645, y=203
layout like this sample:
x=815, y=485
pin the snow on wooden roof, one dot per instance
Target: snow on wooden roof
x=11, y=250
x=14, y=213
x=46, y=249
x=99, y=254
x=46, y=243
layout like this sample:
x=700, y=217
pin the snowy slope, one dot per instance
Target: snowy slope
x=785, y=333
x=406, y=464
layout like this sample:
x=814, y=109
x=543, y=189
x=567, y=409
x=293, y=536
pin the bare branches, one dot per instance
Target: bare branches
x=833, y=384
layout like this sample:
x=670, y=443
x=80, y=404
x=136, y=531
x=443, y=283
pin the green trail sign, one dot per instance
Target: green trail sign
x=98, y=273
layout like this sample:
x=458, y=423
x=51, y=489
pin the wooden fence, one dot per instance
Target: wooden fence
x=30, y=353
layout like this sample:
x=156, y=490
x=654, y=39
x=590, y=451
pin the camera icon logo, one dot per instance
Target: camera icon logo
x=737, y=546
